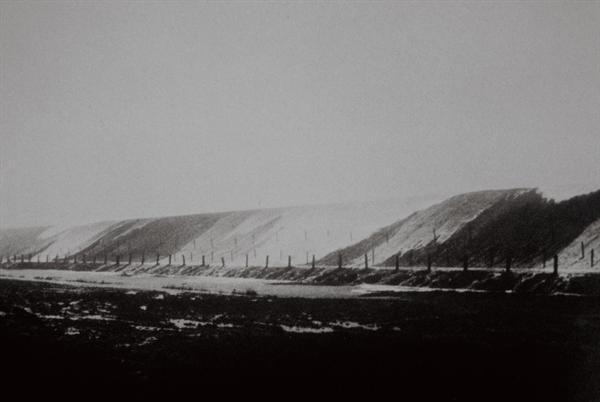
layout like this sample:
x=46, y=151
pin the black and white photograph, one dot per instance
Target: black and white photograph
x=299, y=200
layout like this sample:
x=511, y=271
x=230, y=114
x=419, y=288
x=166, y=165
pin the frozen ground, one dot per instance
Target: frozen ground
x=59, y=342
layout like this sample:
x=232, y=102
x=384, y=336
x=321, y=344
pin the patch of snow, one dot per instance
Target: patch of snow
x=183, y=323
x=72, y=331
x=353, y=325
x=93, y=317
x=306, y=330
x=51, y=317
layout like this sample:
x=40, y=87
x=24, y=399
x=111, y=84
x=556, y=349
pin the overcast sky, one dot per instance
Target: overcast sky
x=115, y=110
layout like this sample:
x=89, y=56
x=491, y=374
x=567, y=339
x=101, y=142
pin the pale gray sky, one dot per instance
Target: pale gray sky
x=115, y=109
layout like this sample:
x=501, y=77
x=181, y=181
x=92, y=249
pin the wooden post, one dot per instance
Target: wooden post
x=397, y=268
x=366, y=261
x=339, y=260
x=592, y=258
x=157, y=258
x=38, y=259
x=129, y=260
x=313, y=261
x=118, y=259
x=582, y=251
x=246, y=260
x=143, y=257
x=105, y=259
x=428, y=262
x=267, y=262
x=465, y=262
x=169, y=259
x=223, y=261
x=183, y=258
x=555, y=264
x=203, y=261
x=373, y=256
x=289, y=261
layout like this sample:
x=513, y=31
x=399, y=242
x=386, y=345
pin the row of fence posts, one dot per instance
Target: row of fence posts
x=429, y=261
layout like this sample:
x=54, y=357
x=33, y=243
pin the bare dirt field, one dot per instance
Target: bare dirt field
x=65, y=342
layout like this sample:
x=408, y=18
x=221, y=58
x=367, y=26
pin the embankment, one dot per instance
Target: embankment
x=479, y=279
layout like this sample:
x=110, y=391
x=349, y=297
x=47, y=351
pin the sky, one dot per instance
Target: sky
x=112, y=110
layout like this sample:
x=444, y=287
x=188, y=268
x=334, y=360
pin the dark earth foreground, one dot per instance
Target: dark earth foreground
x=62, y=342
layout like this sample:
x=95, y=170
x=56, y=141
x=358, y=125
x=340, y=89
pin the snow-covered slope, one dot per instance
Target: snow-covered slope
x=570, y=257
x=416, y=231
x=298, y=232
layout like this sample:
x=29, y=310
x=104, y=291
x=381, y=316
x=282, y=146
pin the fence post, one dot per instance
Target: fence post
x=397, y=268
x=183, y=258
x=223, y=261
x=169, y=259
x=466, y=262
x=105, y=259
x=203, y=261
x=267, y=262
x=246, y=260
x=157, y=258
x=129, y=260
x=143, y=257
x=428, y=262
x=582, y=251
x=339, y=260
x=118, y=259
x=555, y=264
x=592, y=258
x=313, y=261
x=366, y=261
x=289, y=261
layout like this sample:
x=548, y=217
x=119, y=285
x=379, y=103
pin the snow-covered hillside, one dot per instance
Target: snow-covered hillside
x=298, y=232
